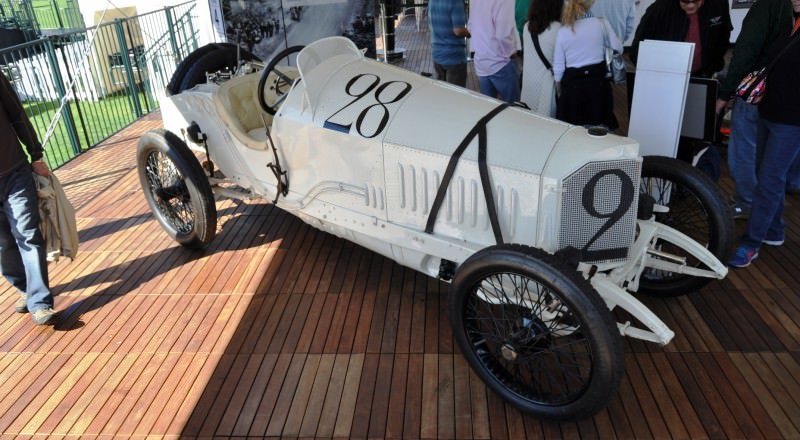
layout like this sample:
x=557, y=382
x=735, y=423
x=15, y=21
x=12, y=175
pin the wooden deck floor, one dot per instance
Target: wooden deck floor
x=280, y=330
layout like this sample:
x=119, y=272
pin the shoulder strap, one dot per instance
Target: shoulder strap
x=539, y=52
x=793, y=39
x=606, y=39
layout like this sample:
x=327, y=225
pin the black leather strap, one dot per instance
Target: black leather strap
x=478, y=130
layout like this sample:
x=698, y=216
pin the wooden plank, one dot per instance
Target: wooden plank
x=397, y=397
x=749, y=413
x=296, y=324
x=269, y=401
x=183, y=387
x=301, y=397
x=403, y=338
x=362, y=333
x=98, y=400
x=284, y=400
x=317, y=396
x=321, y=334
x=126, y=409
x=645, y=398
x=412, y=415
x=446, y=405
x=347, y=405
x=366, y=391
x=430, y=396
x=51, y=395
x=379, y=408
x=765, y=397
x=390, y=319
x=375, y=335
x=664, y=399
x=244, y=385
x=462, y=409
x=333, y=396
x=86, y=385
x=417, y=339
x=278, y=326
x=146, y=401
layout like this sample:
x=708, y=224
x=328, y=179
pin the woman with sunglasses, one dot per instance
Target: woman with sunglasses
x=706, y=23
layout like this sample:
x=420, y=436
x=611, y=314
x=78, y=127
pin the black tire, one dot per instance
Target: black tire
x=697, y=208
x=282, y=81
x=176, y=188
x=209, y=58
x=520, y=357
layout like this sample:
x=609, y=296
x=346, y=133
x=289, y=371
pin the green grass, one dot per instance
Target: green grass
x=94, y=121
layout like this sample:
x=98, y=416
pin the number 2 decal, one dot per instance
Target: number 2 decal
x=359, y=87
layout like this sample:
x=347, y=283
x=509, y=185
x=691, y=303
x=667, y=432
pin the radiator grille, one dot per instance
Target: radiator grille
x=598, y=209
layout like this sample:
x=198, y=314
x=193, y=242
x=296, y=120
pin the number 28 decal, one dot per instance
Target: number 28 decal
x=359, y=87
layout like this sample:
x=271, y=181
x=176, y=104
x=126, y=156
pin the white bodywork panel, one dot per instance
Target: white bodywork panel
x=365, y=146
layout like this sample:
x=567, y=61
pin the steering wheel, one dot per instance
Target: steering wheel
x=279, y=85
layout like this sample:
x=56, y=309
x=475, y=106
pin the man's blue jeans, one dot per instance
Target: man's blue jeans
x=778, y=147
x=504, y=82
x=742, y=151
x=22, y=252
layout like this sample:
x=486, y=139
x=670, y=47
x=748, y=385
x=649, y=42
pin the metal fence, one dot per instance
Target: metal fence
x=112, y=75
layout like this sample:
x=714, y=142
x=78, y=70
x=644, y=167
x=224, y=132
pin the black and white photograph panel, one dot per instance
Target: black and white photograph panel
x=265, y=27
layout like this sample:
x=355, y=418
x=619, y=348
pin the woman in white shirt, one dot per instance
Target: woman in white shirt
x=579, y=67
x=538, y=86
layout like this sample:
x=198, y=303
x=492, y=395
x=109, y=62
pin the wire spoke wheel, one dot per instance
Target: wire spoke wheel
x=536, y=332
x=697, y=209
x=528, y=338
x=176, y=188
x=169, y=191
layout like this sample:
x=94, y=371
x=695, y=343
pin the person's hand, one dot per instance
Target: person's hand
x=40, y=168
x=721, y=104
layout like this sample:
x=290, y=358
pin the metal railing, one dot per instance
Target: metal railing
x=118, y=71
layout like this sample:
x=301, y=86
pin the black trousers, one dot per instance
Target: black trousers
x=586, y=97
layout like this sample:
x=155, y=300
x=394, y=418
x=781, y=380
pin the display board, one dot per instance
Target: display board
x=265, y=27
x=659, y=96
x=700, y=120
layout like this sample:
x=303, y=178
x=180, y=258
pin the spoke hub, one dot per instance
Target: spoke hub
x=509, y=352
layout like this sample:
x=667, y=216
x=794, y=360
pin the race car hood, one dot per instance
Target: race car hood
x=438, y=116
x=381, y=103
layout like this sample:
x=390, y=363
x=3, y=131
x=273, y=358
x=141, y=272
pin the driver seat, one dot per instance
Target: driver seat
x=237, y=105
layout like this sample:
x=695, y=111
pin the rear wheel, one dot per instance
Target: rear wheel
x=697, y=208
x=214, y=57
x=176, y=189
x=536, y=332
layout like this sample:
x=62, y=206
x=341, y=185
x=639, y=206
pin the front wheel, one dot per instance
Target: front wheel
x=697, y=208
x=176, y=188
x=536, y=332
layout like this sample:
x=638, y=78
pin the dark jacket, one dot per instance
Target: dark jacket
x=766, y=21
x=15, y=126
x=781, y=101
x=665, y=20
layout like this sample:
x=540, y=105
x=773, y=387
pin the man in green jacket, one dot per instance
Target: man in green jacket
x=766, y=21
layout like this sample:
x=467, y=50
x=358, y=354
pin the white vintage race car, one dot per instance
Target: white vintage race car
x=542, y=228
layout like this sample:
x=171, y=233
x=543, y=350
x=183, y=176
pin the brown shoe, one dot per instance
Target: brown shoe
x=43, y=316
x=21, y=306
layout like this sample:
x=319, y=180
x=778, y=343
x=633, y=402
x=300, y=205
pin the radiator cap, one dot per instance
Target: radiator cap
x=598, y=131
